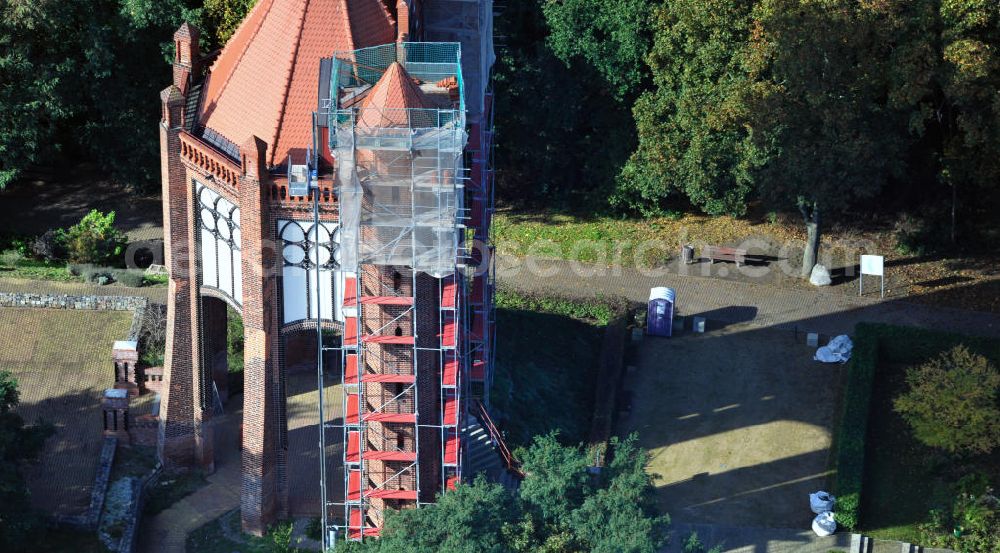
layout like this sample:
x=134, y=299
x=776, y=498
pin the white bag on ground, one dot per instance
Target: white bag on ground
x=821, y=502
x=838, y=350
x=824, y=524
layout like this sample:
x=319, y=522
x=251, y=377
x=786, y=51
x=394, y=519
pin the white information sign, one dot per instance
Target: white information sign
x=871, y=265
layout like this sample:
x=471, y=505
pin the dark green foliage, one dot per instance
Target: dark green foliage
x=953, y=402
x=694, y=140
x=561, y=136
x=18, y=521
x=608, y=513
x=607, y=34
x=50, y=246
x=971, y=524
x=853, y=428
x=92, y=91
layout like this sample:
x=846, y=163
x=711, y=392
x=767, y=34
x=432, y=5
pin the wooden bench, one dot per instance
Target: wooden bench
x=720, y=253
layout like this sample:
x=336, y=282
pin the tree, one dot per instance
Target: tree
x=820, y=108
x=92, y=92
x=225, y=16
x=469, y=519
x=952, y=402
x=612, y=36
x=610, y=512
x=694, y=137
x=559, y=133
x=18, y=521
x=33, y=85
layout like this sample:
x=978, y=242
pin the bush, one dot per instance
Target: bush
x=10, y=258
x=952, y=402
x=98, y=275
x=130, y=277
x=853, y=428
x=95, y=239
x=50, y=246
x=79, y=269
x=972, y=525
x=848, y=510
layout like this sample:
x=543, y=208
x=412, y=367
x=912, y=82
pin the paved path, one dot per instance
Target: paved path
x=735, y=539
x=821, y=310
x=167, y=532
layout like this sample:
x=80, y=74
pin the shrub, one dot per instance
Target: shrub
x=79, y=269
x=130, y=277
x=98, y=275
x=11, y=258
x=154, y=279
x=972, y=525
x=95, y=239
x=847, y=510
x=50, y=246
x=952, y=402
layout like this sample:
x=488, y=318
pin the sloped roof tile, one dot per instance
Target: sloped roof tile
x=265, y=80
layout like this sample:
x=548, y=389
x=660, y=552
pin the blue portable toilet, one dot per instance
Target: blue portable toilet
x=660, y=316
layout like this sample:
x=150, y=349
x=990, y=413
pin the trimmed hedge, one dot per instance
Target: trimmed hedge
x=873, y=344
x=853, y=429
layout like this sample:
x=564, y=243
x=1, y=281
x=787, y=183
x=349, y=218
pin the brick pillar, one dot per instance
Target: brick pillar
x=262, y=401
x=184, y=439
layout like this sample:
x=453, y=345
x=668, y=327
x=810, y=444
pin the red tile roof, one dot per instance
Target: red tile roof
x=265, y=80
x=393, y=91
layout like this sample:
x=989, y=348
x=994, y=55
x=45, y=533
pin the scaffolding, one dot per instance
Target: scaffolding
x=397, y=128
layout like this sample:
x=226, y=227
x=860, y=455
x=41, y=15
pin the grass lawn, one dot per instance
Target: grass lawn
x=901, y=484
x=37, y=270
x=547, y=354
x=904, y=479
x=214, y=537
x=61, y=359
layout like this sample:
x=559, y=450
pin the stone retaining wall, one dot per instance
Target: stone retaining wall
x=136, y=304
x=141, y=490
x=89, y=520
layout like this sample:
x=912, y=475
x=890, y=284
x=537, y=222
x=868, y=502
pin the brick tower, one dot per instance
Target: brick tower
x=397, y=135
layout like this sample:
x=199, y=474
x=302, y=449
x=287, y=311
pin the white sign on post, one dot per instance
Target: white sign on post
x=871, y=265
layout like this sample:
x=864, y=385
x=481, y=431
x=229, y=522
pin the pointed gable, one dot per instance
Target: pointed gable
x=264, y=82
x=384, y=104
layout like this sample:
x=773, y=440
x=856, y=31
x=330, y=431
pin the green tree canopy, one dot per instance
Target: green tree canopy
x=953, y=402
x=608, y=512
x=694, y=137
x=611, y=35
